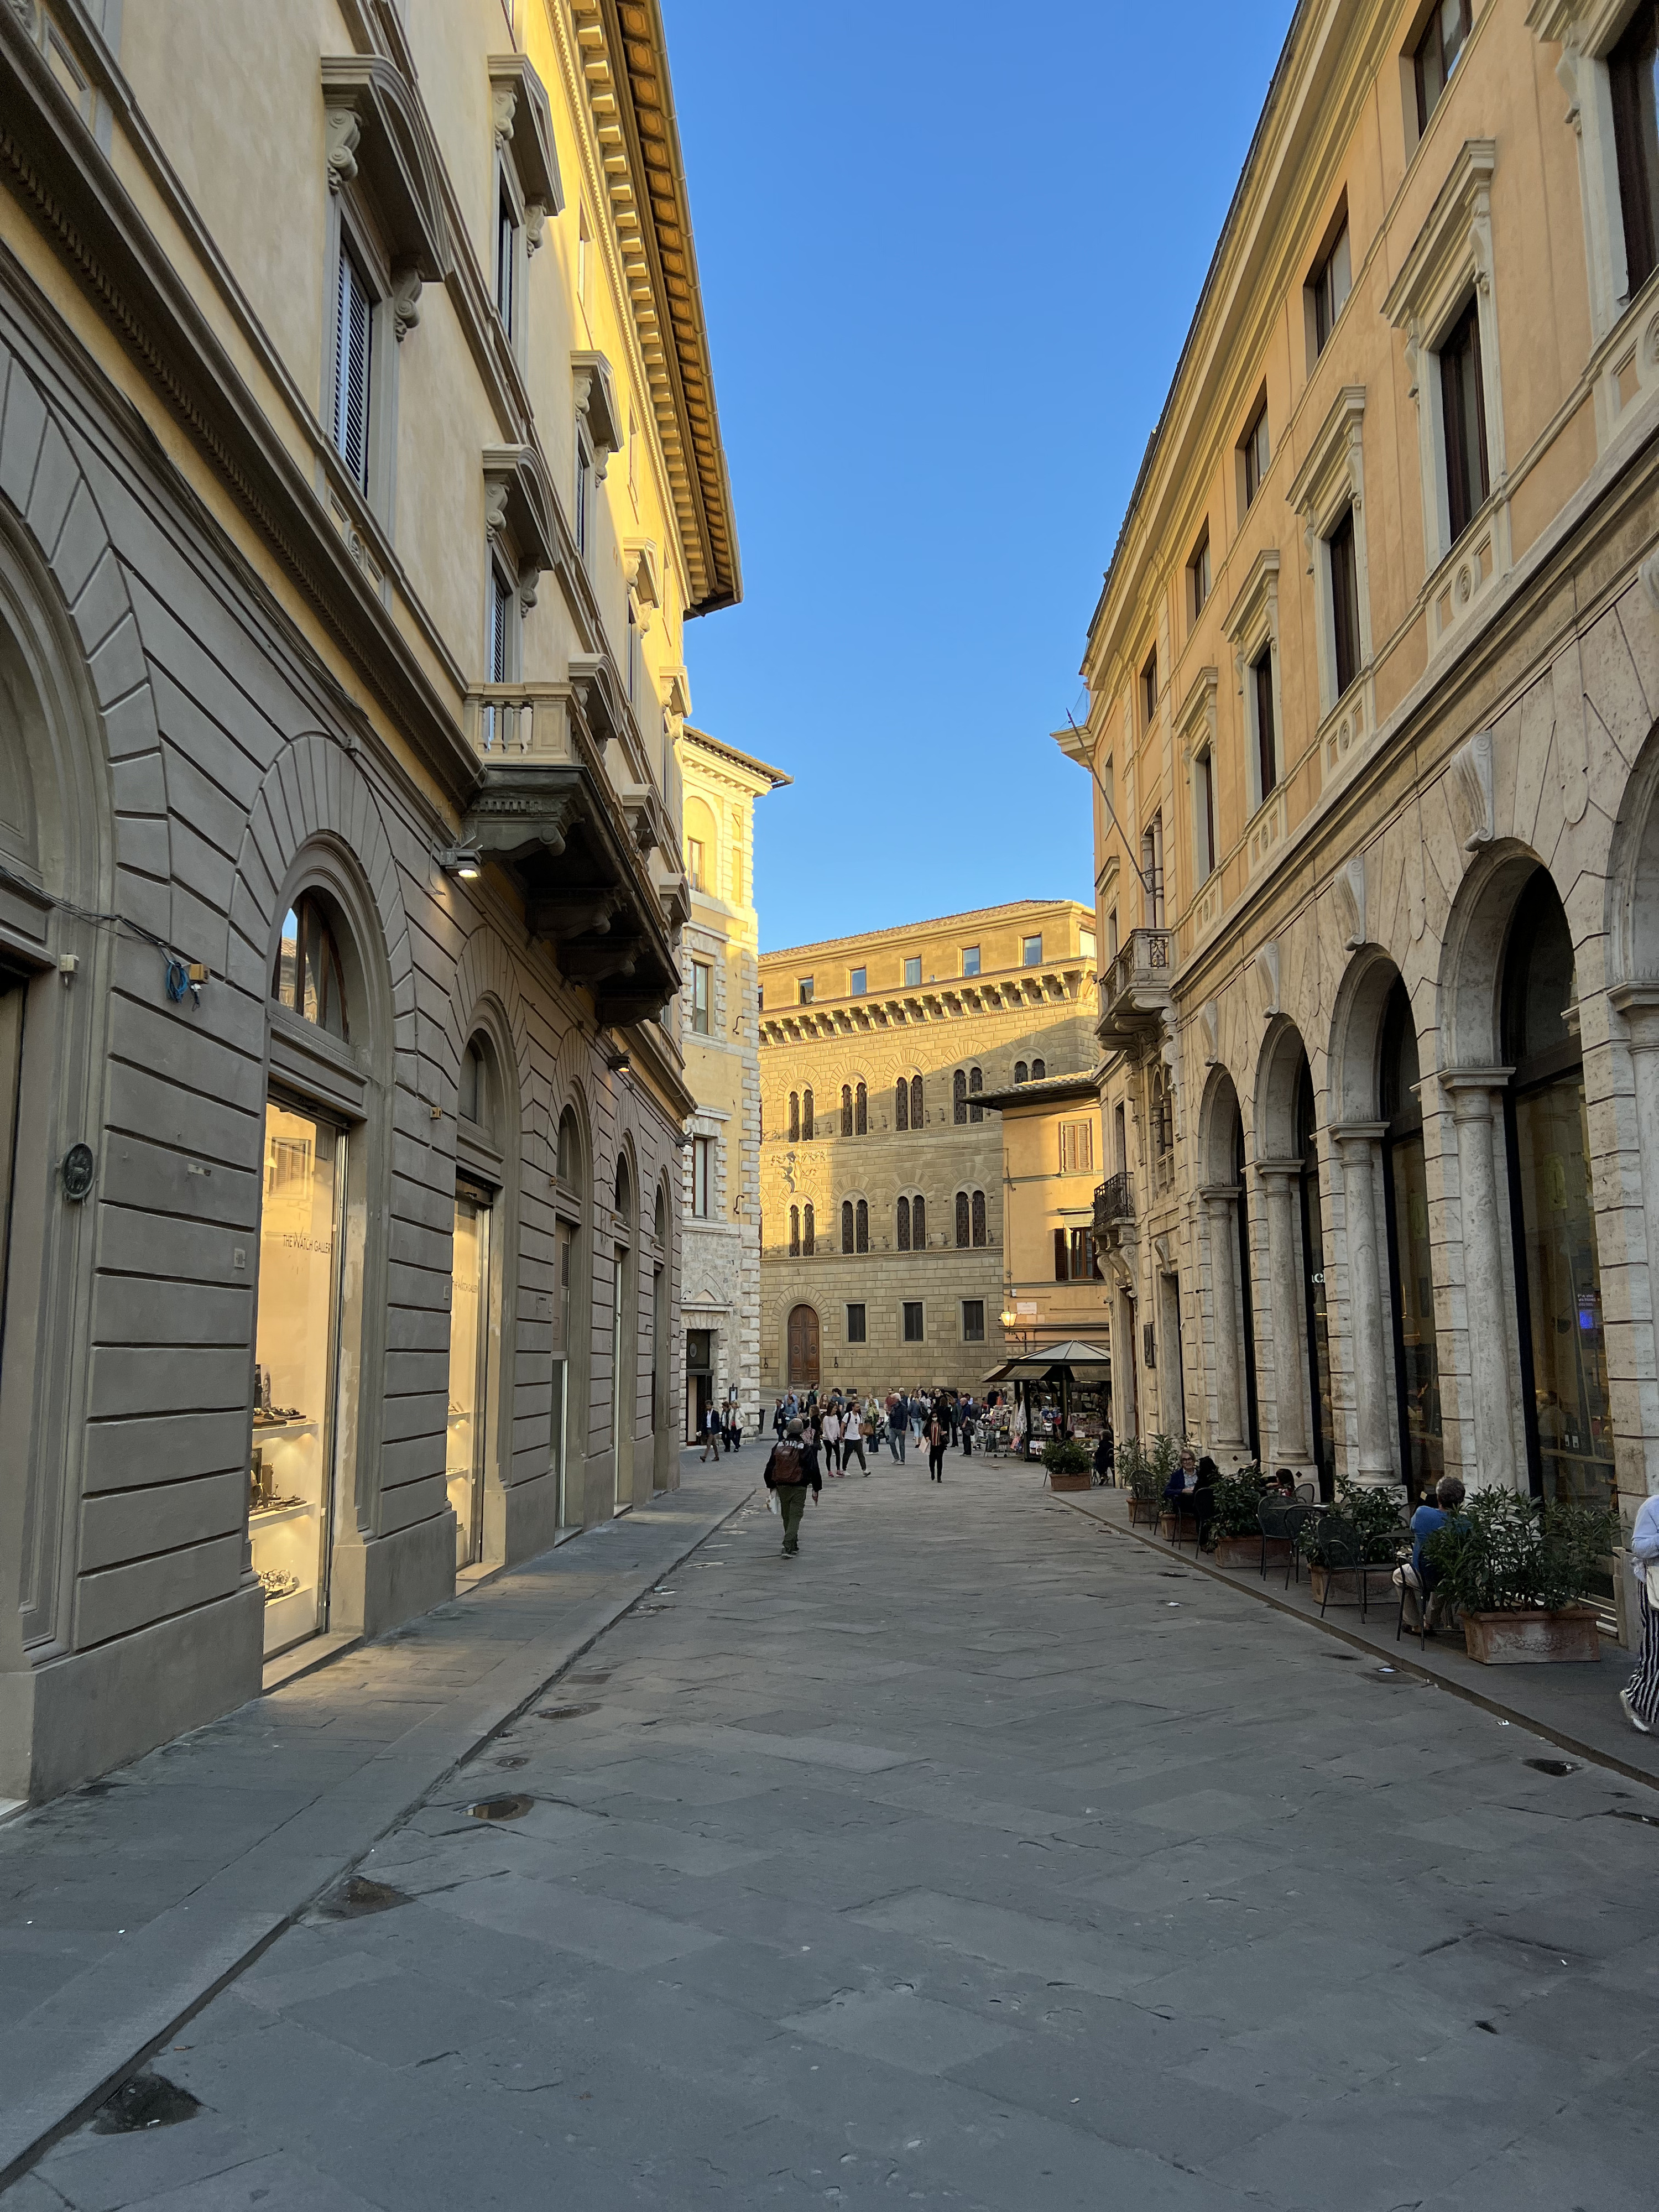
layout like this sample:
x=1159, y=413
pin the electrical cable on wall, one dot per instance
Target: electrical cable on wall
x=181, y=975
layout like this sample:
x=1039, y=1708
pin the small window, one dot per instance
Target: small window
x=1437, y=52
x=959, y=1095
x=794, y=1232
x=919, y=1224
x=973, y=1321
x=694, y=862
x=804, y=990
x=583, y=491
x=702, y=992
x=1255, y=452
x=858, y=983
x=1022, y=1074
x=806, y=1117
x=846, y=1225
x=1149, y=690
x=1632, y=67
x=970, y=960
x=979, y=1218
x=353, y=344
x=860, y=1111
x=1198, y=576
x=901, y=1104
x=913, y=1328
x=1031, y=952
x=1039, y=1071
x=855, y=1325
x=918, y=1116
x=702, y=1177
x=976, y=1084
x=847, y=1109
x=1344, y=602
x=1329, y=286
x=1077, y=1147
x=1267, y=735
x=862, y=1226
x=794, y=1117
x=806, y=1230
x=1204, y=816
x=964, y=1221
x=306, y=977
x=912, y=972
x=1463, y=412
x=507, y=256
x=902, y=1226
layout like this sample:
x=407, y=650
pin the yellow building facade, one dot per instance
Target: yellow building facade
x=720, y=1038
x=360, y=474
x=1052, y=1282
x=1373, y=681
x=881, y=1166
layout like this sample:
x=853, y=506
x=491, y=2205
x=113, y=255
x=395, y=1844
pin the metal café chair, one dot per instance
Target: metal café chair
x=1344, y=1552
x=1270, y=1519
x=1298, y=1519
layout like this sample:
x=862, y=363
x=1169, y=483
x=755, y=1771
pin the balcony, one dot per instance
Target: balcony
x=1114, y=1207
x=1135, y=992
x=569, y=808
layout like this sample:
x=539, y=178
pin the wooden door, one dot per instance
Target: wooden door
x=802, y=1349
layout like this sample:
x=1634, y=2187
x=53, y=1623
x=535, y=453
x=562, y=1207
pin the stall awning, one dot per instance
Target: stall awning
x=1084, y=1363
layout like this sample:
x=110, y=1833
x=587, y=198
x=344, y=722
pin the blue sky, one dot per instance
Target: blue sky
x=947, y=268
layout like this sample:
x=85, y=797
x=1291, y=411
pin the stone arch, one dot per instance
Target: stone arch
x=1218, y=1120
x=1472, y=954
x=1632, y=886
x=1351, y=1068
x=487, y=974
x=1279, y=1073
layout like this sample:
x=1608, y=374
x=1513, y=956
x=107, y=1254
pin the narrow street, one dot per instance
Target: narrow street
x=979, y=1858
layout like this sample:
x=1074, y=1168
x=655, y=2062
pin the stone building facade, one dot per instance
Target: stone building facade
x=1053, y=1280
x=345, y=558
x=881, y=1167
x=1374, y=681
x=720, y=1038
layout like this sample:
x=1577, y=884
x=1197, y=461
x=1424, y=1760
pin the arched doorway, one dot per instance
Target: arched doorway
x=1303, y=1433
x=803, y=1348
x=1564, y=1360
x=1237, y=1431
x=1411, y=1270
x=1316, y=1310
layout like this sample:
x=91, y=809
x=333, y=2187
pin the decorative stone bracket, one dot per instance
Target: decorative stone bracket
x=1348, y=887
x=379, y=143
x=595, y=394
x=524, y=128
x=1469, y=787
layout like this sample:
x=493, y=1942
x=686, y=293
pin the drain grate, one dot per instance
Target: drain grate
x=500, y=1808
x=149, y=2101
x=1550, y=1765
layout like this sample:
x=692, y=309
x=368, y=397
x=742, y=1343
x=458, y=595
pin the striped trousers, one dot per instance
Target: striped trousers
x=1643, y=1688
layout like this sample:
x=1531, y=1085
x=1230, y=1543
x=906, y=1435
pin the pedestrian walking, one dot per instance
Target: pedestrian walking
x=711, y=1437
x=792, y=1467
x=780, y=1419
x=832, y=1442
x=898, y=1426
x=1640, y=1695
x=852, y=1439
x=736, y=1428
x=937, y=1435
x=966, y=1417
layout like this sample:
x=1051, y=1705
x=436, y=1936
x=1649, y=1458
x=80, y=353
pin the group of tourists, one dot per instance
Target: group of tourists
x=819, y=1437
x=720, y=1426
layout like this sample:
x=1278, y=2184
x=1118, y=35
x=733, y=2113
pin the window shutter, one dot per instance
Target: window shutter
x=351, y=350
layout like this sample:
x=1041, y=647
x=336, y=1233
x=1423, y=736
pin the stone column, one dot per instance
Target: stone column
x=1477, y=1095
x=1639, y=1005
x=1221, y=1209
x=1358, y=1143
x=1279, y=1181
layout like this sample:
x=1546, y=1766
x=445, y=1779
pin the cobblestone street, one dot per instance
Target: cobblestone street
x=978, y=1859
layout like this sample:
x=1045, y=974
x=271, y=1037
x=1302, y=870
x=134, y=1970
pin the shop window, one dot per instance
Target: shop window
x=913, y=1331
x=979, y=1217
x=959, y=1096
x=468, y=1371
x=860, y=1111
x=290, y=1486
x=973, y=1321
x=306, y=977
x=702, y=977
x=976, y=1084
x=855, y=1324
x=1562, y=1330
x=1438, y=53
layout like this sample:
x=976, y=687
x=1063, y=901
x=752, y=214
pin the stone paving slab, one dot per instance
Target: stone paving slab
x=126, y=1905
x=1210, y=1914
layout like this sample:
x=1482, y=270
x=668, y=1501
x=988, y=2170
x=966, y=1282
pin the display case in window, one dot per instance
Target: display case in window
x=290, y=1490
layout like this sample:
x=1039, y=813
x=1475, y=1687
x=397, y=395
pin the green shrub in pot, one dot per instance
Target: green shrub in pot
x=1236, y=1510
x=1504, y=1553
x=1371, y=1511
x=1068, y=1455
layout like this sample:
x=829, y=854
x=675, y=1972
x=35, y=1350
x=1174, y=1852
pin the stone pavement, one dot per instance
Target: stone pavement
x=971, y=1860
x=125, y=1904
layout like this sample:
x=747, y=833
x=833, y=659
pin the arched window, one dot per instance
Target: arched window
x=661, y=1221
x=794, y=1117
x=964, y=1223
x=847, y=1109
x=904, y=1224
x=976, y=1084
x=306, y=977
x=1020, y=1071
x=1039, y=1071
x=472, y=1092
x=570, y=1150
x=846, y=1225
x=901, y=1104
x=918, y=1223
x=979, y=1217
x=625, y=1193
x=860, y=1112
x=805, y=1115
x=917, y=1117
x=959, y=1096
x=794, y=1232
x=806, y=1228
x=863, y=1229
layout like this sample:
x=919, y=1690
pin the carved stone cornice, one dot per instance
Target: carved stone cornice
x=391, y=157
x=524, y=126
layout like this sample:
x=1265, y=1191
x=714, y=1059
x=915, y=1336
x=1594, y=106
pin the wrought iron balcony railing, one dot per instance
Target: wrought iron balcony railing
x=1115, y=1202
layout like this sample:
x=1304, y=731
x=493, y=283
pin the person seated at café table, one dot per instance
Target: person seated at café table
x=1203, y=1496
x=1284, y=1482
x=1182, y=1476
x=1419, y=1585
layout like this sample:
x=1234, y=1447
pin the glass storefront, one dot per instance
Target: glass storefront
x=562, y=1352
x=469, y=1372
x=1405, y=1191
x=1313, y=1265
x=291, y=1490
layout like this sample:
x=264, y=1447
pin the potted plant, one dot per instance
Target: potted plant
x=1069, y=1462
x=1516, y=1569
x=1135, y=1474
x=1235, y=1525
x=1166, y=1450
x=1365, y=1526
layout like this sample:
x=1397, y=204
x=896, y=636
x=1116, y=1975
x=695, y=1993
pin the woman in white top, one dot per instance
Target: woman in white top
x=1640, y=1695
x=832, y=1442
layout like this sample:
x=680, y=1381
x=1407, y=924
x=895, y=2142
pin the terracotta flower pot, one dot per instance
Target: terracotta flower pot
x=1141, y=1508
x=1530, y=1638
x=1246, y=1551
x=1344, y=1585
x=1069, y=1482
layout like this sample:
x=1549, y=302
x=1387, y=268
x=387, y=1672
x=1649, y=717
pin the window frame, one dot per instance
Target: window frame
x=1464, y=500
x=1028, y=958
x=1433, y=29
x=1341, y=557
x=858, y=984
x=918, y=1307
x=970, y=1333
x=703, y=1178
x=970, y=960
x=702, y=1008
x=1255, y=454
x=1200, y=580
x=913, y=971
x=802, y=990
x=859, y=1332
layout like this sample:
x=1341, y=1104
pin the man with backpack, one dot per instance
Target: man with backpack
x=792, y=1464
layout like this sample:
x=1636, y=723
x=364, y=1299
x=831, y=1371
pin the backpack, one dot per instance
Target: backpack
x=788, y=1467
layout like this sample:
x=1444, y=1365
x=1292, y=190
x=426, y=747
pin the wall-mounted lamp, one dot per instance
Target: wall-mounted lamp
x=464, y=861
x=617, y=1059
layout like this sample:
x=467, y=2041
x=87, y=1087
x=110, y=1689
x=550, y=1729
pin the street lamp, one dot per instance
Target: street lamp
x=1017, y=1326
